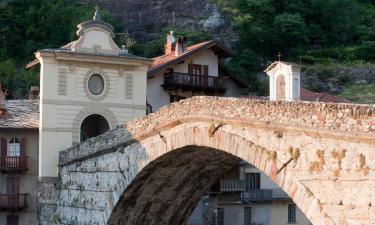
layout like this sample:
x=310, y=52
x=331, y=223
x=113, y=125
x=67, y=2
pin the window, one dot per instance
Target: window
x=13, y=185
x=252, y=181
x=291, y=213
x=220, y=216
x=175, y=98
x=247, y=216
x=96, y=84
x=14, y=147
x=12, y=220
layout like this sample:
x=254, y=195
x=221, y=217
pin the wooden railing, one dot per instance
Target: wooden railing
x=232, y=185
x=187, y=81
x=264, y=195
x=10, y=163
x=13, y=201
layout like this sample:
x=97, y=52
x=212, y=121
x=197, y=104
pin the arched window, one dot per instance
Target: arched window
x=93, y=126
x=14, y=147
x=280, y=88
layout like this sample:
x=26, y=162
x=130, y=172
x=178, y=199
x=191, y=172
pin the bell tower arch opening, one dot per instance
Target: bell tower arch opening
x=92, y=126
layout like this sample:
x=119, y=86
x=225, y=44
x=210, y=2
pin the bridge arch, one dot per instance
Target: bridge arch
x=200, y=149
x=320, y=154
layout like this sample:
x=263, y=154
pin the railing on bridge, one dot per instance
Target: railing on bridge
x=264, y=195
x=13, y=201
x=13, y=163
x=185, y=81
x=232, y=185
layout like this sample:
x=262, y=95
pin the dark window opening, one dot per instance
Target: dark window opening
x=291, y=213
x=94, y=125
x=175, y=98
x=252, y=181
x=220, y=216
x=247, y=216
x=12, y=220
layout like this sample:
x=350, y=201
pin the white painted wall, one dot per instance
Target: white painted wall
x=279, y=215
x=157, y=97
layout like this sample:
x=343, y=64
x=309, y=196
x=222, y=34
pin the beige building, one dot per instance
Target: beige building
x=87, y=87
x=18, y=161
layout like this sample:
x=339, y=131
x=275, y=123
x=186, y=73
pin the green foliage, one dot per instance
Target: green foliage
x=29, y=25
x=311, y=31
x=360, y=93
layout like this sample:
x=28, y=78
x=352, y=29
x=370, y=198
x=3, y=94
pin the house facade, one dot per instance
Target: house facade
x=186, y=71
x=19, y=146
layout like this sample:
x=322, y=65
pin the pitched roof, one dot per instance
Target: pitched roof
x=163, y=62
x=20, y=114
x=307, y=95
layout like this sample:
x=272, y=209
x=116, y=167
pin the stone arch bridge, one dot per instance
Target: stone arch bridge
x=154, y=170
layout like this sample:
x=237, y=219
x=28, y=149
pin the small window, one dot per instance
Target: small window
x=220, y=216
x=291, y=213
x=14, y=147
x=247, y=216
x=96, y=84
x=12, y=220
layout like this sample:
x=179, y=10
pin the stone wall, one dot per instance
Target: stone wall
x=147, y=171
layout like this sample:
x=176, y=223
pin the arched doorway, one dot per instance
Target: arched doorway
x=280, y=88
x=92, y=126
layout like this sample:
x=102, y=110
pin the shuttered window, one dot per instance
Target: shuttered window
x=220, y=216
x=247, y=216
x=13, y=185
x=291, y=213
x=4, y=147
x=14, y=147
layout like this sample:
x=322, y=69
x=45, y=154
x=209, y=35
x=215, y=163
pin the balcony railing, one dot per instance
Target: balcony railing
x=264, y=195
x=184, y=81
x=13, y=201
x=13, y=163
x=232, y=185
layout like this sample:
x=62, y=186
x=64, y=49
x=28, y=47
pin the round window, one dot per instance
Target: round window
x=96, y=84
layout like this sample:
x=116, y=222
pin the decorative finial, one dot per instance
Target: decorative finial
x=279, y=55
x=126, y=41
x=97, y=16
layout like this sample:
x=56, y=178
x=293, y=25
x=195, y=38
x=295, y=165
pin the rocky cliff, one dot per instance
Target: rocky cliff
x=145, y=19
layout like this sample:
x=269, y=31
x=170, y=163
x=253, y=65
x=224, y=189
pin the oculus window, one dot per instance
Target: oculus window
x=96, y=84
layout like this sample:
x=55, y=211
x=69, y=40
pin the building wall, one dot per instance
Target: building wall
x=28, y=178
x=66, y=102
x=157, y=97
x=279, y=214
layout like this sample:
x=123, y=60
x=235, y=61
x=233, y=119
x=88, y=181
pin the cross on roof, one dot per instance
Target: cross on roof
x=97, y=16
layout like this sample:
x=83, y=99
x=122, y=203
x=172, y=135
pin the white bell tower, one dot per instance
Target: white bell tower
x=285, y=80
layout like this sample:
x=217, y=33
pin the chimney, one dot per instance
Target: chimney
x=170, y=44
x=2, y=101
x=34, y=93
x=181, y=46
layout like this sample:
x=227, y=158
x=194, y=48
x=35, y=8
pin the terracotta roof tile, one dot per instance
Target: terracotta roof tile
x=21, y=114
x=164, y=61
x=307, y=95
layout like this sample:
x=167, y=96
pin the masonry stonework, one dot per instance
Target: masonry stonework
x=154, y=170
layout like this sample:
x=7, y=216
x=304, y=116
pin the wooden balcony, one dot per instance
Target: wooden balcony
x=190, y=82
x=13, y=163
x=264, y=195
x=13, y=201
x=232, y=185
